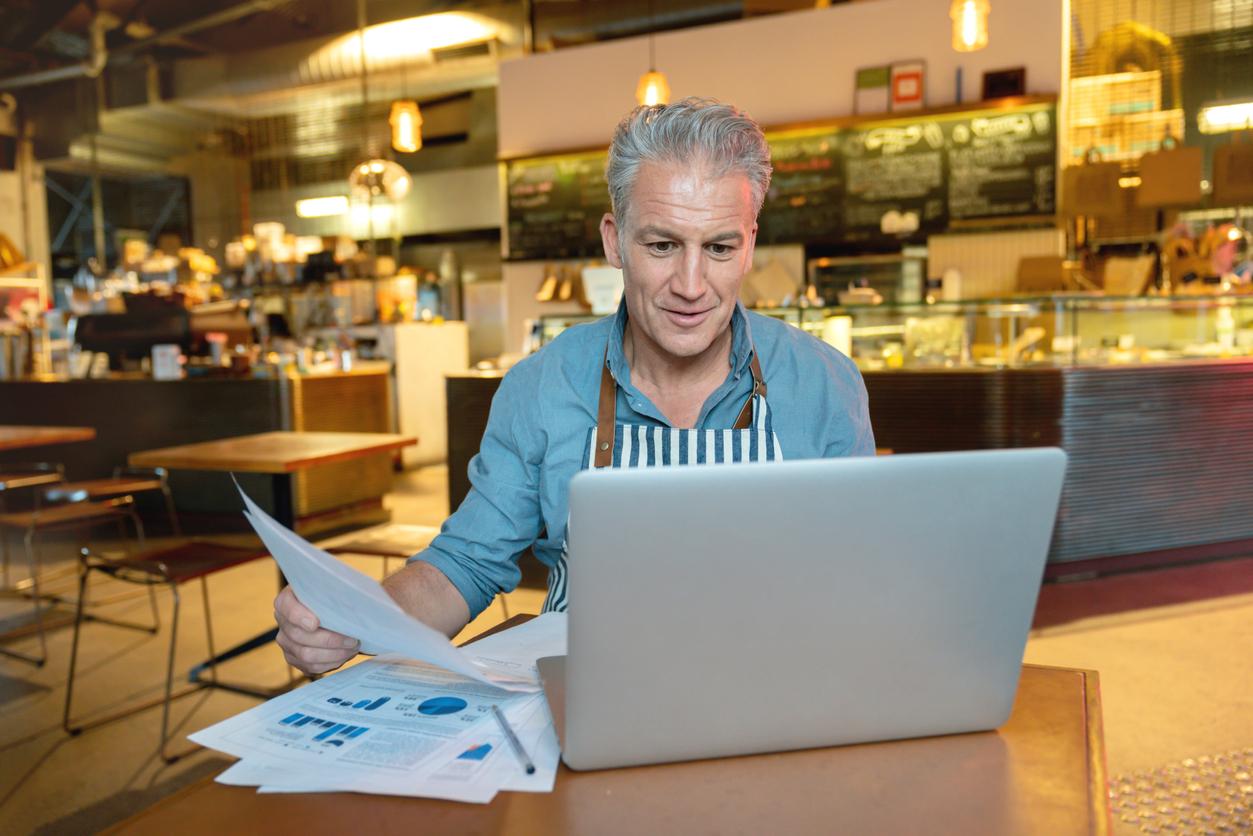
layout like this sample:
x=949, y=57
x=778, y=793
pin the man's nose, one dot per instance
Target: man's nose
x=688, y=280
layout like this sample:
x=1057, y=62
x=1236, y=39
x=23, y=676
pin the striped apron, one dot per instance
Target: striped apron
x=610, y=444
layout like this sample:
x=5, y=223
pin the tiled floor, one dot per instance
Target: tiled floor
x=1173, y=649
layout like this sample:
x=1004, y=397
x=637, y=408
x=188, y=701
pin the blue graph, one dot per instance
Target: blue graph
x=327, y=731
x=437, y=706
x=366, y=704
x=475, y=753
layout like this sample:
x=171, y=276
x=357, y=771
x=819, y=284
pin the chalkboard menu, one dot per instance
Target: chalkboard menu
x=895, y=181
x=1002, y=163
x=863, y=183
x=806, y=197
x=555, y=206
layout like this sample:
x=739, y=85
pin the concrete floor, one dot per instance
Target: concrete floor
x=1172, y=647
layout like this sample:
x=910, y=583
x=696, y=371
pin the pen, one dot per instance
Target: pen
x=514, y=742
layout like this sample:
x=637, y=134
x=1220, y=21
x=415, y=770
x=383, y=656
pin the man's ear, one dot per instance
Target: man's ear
x=609, y=240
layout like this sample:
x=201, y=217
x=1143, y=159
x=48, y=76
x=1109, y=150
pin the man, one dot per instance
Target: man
x=678, y=376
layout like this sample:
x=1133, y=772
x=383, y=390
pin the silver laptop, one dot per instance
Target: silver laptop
x=731, y=609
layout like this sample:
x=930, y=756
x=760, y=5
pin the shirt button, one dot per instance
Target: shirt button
x=604, y=445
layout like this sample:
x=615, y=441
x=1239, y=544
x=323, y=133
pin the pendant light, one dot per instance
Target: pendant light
x=406, y=122
x=653, y=88
x=970, y=24
x=405, y=118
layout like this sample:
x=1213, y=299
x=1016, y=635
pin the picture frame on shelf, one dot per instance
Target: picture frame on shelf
x=1001, y=84
x=872, y=88
x=908, y=86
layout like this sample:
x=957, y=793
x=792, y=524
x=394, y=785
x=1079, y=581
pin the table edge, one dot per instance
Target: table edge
x=152, y=458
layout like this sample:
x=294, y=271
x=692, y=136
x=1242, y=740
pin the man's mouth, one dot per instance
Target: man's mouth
x=687, y=319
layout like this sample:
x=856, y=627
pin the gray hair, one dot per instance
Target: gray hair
x=692, y=131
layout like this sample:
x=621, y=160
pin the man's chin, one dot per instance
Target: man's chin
x=685, y=345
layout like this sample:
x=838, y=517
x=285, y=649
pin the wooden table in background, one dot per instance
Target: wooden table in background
x=1043, y=772
x=280, y=454
x=18, y=437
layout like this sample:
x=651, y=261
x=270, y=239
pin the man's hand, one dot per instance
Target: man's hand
x=306, y=645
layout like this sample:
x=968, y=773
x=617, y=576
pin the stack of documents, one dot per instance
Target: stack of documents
x=417, y=720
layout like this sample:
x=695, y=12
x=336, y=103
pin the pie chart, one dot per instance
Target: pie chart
x=437, y=706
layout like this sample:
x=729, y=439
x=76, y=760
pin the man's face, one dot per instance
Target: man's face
x=686, y=246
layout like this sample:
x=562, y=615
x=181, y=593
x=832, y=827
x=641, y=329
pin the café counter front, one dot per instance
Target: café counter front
x=1152, y=399
x=132, y=414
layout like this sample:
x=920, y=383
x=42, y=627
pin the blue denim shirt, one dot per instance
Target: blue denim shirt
x=537, y=434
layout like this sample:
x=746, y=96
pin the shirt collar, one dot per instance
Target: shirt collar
x=741, y=342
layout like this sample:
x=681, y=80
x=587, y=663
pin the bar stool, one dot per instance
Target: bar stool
x=73, y=515
x=394, y=540
x=171, y=567
x=15, y=477
x=387, y=541
x=125, y=480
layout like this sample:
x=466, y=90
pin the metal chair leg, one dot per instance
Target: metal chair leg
x=4, y=544
x=32, y=561
x=169, y=686
x=175, y=528
x=164, y=700
x=208, y=629
x=78, y=627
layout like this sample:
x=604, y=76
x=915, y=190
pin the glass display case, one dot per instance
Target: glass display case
x=1045, y=331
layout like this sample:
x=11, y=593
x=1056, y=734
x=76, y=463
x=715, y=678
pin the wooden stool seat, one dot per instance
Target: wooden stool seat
x=14, y=480
x=62, y=514
x=99, y=488
x=389, y=541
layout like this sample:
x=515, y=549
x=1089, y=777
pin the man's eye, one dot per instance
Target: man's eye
x=720, y=249
x=660, y=247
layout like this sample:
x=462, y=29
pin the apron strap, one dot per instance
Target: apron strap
x=605, y=416
x=606, y=426
x=745, y=418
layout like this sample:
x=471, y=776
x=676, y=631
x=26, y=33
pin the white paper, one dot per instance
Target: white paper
x=513, y=653
x=460, y=755
x=377, y=726
x=352, y=603
x=471, y=768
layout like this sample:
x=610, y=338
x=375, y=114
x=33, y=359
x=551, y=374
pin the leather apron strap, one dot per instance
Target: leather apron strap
x=606, y=417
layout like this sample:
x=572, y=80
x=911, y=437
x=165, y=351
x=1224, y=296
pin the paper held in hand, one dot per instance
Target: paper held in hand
x=352, y=603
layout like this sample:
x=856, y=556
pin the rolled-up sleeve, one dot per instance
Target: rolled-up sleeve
x=478, y=546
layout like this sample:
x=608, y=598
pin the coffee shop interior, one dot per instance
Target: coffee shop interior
x=233, y=233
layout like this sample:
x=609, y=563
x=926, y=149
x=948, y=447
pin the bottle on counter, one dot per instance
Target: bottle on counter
x=430, y=302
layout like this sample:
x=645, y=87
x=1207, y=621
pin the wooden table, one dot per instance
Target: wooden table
x=1042, y=773
x=280, y=454
x=16, y=437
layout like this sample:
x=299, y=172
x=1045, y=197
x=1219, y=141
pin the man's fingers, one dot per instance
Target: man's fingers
x=313, y=659
x=287, y=605
x=315, y=638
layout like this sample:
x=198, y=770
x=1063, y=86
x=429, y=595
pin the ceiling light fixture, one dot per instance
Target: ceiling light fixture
x=322, y=207
x=653, y=88
x=970, y=24
x=1220, y=117
x=406, y=122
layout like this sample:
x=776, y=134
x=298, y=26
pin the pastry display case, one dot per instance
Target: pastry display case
x=1019, y=332
x=1151, y=398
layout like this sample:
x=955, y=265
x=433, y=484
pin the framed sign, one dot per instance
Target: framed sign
x=908, y=86
x=871, y=90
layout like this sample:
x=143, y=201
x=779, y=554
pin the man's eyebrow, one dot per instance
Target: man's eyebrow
x=661, y=232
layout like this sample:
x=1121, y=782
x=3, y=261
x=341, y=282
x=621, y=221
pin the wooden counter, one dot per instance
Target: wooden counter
x=129, y=415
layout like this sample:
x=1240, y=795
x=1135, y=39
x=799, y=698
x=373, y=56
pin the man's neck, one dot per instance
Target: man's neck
x=653, y=368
